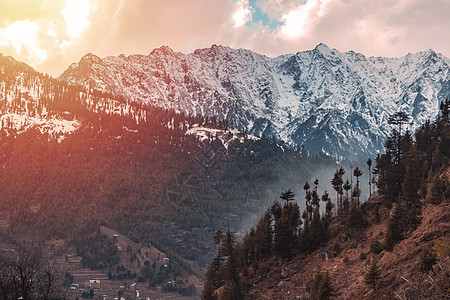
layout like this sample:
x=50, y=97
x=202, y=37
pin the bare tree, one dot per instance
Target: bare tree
x=24, y=275
x=47, y=284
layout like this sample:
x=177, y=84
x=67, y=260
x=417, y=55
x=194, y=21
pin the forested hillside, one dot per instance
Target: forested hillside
x=401, y=234
x=156, y=176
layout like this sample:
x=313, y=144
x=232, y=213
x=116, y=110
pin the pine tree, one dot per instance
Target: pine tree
x=357, y=192
x=286, y=227
x=263, y=236
x=394, y=230
x=218, y=236
x=373, y=275
x=347, y=187
x=229, y=269
x=414, y=176
x=317, y=231
x=399, y=118
x=439, y=190
x=369, y=164
x=443, y=129
x=390, y=165
x=425, y=141
x=315, y=200
x=275, y=210
x=337, y=183
x=375, y=246
x=248, y=249
x=328, y=208
x=319, y=286
x=316, y=184
x=282, y=238
x=212, y=280
x=306, y=187
x=287, y=196
x=223, y=270
x=355, y=217
x=308, y=196
x=437, y=159
x=413, y=182
x=427, y=258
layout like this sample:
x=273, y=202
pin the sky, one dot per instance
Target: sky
x=51, y=34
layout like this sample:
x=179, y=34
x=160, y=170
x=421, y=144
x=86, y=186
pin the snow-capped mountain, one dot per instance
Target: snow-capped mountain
x=26, y=99
x=30, y=100
x=322, y=99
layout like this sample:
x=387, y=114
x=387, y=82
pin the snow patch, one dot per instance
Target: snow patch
x=225, y=136
x=54, y=127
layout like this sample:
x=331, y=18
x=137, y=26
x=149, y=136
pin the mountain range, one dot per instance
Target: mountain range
x=321, y=100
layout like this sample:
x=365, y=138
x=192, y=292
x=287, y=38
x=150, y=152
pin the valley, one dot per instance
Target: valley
x=127, y=183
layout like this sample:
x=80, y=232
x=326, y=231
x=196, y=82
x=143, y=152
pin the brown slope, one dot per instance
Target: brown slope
x=401, y=279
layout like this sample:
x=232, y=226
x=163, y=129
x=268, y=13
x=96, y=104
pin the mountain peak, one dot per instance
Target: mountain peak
x=213, y=49
x=163, y=50
x=322, y=46
x=309, y=99
x=325, y=50
x=91, y=59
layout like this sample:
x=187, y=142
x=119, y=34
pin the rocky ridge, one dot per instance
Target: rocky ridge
x=322, y=99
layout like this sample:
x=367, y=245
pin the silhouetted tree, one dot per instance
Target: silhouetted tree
x=275, y=210
x=369, y=164
x=337, y=183
x=286, y=227
x=399, y=118
x=328, y=208
x=357, y=192
x=24, y=275
x=263, y=236
x=287, y=196
x=223, y=270
x=347, y=187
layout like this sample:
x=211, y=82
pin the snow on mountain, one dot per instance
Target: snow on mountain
x=322, y=99
x=22, y=91
x=32, y=100
x=225, y=136
x=54, y=127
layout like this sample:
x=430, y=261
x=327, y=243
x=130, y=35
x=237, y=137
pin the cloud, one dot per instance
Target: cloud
x=384, y=28
x=298, y=21
x=76, y=16
x=22, y=36
x=242, y=14
x=60, y=32
x=275, y=9
x=19, y=10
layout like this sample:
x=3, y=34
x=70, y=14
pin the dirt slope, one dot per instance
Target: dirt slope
x=400, y=277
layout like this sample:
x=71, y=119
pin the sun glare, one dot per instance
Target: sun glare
x=294, y=23
x=298, y=21
x=22, y=36
x=76, y=16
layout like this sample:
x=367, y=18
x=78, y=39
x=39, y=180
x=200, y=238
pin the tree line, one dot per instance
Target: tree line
x=401, y=175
